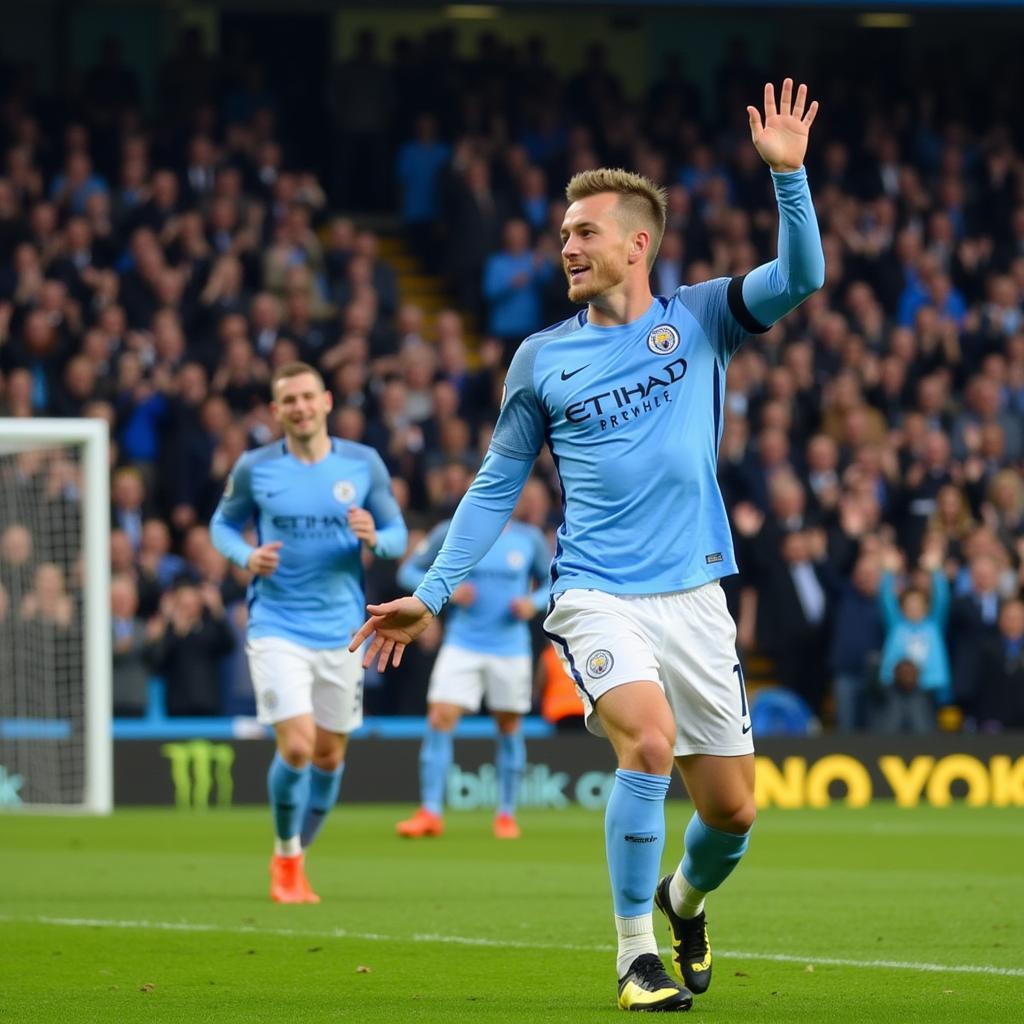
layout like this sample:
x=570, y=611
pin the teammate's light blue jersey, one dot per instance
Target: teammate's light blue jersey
x=315, y=596
x=633, y=417
x=487, y=625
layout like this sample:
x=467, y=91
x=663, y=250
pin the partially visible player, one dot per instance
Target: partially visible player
x=485, y=656
x=629, y=394
x=317, y=502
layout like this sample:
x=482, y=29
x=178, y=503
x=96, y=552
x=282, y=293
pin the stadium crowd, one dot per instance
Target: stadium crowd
x=154, y=271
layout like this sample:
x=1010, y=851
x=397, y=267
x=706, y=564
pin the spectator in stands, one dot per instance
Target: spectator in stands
x=513, y=283
x=856, y=644
x=17, y=567
x=973, y=621
x=155, y=555
x=132, y=649
x=195, y=638
x=914, y=671
x=420, y=163
x=1000, y=701
x=792, y=613
x=129, y=509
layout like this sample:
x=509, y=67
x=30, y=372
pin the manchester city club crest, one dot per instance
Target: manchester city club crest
x=599, y=664
x=344, y=491
x=663, y=340
x=516, y=559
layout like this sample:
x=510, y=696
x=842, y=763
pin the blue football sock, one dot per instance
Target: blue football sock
x=323, y=794
x=286, y=786
x=634, y=832
x=710, y=854
x=510, y=761
x=435, y=759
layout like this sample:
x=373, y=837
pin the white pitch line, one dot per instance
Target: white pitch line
x=466, y=940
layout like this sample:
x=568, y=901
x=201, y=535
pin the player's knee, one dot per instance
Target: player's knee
x=442, y=718
x=508, y=725
x=296, y=751
x=651, y=753
x=735, y=819
x=329, y=760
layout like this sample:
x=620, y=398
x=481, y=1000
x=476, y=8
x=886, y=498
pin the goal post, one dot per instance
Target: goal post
x=56, y=747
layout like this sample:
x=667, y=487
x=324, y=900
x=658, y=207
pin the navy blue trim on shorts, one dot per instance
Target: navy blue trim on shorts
x=564, y=644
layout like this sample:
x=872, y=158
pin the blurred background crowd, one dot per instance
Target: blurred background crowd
x=156, y=267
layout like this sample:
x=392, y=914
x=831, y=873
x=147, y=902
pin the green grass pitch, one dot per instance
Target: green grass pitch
x=839, y=915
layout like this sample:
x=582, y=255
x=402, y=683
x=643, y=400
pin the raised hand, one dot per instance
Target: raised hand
x=782, y=139
x=393, y=627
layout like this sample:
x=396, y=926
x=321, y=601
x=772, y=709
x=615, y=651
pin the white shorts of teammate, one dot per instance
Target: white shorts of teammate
x=292, y=680
x=684, y=641
x=465, y=678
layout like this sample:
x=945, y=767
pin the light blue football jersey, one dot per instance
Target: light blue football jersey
x=315, y=596
x=633, y=416
x=487, y=625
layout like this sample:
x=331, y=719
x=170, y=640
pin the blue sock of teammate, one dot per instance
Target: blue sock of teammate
x=286, y=786
x=708, y=861
x=634, y=831
x=323, y=793
x=510, y=762
x=435, y=759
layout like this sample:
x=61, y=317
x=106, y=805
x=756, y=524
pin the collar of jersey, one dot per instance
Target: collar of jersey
x=632, y=325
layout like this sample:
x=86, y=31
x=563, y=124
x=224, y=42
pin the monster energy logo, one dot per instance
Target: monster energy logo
x=195, y=767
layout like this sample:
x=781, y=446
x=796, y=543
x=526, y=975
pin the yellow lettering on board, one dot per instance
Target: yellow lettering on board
x=907, y=780
x=959, y=766
x=1007, y=781
x=779, y=788
x=845, y=769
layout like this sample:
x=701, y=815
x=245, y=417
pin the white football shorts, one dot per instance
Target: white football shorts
x=466, y=678
x=292, y=680
x=684, y=641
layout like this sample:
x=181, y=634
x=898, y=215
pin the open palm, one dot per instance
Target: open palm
x=393, y=627
x=782, y=138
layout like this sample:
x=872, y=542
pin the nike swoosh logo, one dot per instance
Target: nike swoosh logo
x=747, y=729
x=566, y=376
x=274, y=494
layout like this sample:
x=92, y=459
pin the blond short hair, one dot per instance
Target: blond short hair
x=640, y=200
x=294, y=370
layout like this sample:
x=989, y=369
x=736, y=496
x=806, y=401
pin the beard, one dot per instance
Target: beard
x=599, y=279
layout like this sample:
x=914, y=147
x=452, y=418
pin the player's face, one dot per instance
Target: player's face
x=595, y=248
x=301, y=405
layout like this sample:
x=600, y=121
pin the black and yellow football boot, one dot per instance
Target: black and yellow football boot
x=648, y=988
x=691, y=949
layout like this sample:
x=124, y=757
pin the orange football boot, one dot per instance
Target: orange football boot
x=505, y=827
x=288, y=882
x=422, y=823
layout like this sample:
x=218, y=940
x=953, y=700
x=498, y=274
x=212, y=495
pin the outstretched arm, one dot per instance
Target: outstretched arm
x=773, y=289
x=476, y=525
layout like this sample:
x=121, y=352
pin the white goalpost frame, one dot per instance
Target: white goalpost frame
x=93, y=436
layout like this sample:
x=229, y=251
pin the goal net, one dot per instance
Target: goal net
x=55, y=667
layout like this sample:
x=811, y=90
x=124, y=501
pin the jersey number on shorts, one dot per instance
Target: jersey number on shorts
x=738, y=669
